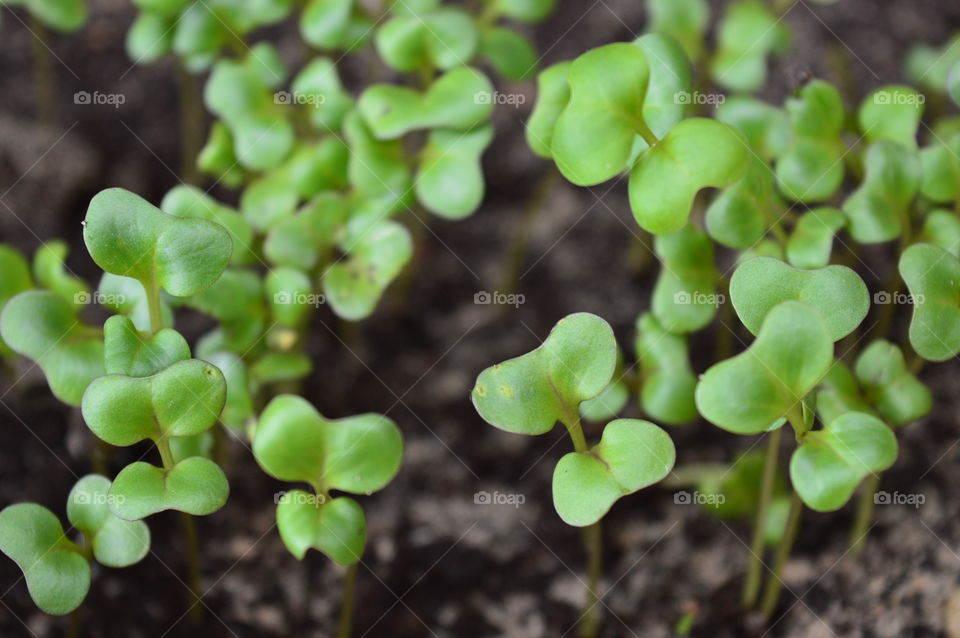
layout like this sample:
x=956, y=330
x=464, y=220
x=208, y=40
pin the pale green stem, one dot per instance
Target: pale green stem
x=153, y=305
x=593, y=542
x=775, y=583
x=346, y=606
x=861, y=524
x=751, y=587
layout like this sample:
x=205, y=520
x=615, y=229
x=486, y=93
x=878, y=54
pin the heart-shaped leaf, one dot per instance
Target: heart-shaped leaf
x=593, y=137
x=449, y=181
x=749, y=392
x=319, y=81
x=899, y=397
x=667, y=381
x=811, y=241
x=742, y=213
x=302, y=240
x=190, y=201
x=511, y=54
x=697, y=153
x=149, y=38
x=116, y=542
x=941, y=170
x=837, y=292
x=766, y=127
x=829, y=463
x=314, y=169
x=441, y=37
x=50, y=271
x=375, y=257
x=878, y=208
x=358, y=454
x=684, y=297
x=195, y=485
x=933, y=277
x=553, y=93
x=839, y=393
x=127, y=352
x=684, y=20
x=530, y=393
x=811, y=170
x=336, y=527
x=892, y=113
x=44, y=326
x=268, y=200
x=126, y=235
x=749, y=31
x=630, y=456
x=184, y=399
x=236, y=300
x=459, y=99
x=57, y=574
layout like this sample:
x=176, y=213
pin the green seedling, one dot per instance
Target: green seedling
x=891, y=113
x=685, y=295
x=748, y=33
x=811, y=242
x=667, y=380
x=16, y=279
x=61, y=15
x=57, y=570
x=684, y=20
x=742, y=213
x=878, y=210
x=933, y=277
x=942, y=228
x=898, y=396
x=356, y=455
x=531, y=393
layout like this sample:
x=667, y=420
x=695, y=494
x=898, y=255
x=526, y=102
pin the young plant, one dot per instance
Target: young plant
x=356, y=455
x=531, y=393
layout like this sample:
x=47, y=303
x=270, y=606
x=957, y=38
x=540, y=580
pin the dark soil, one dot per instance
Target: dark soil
x=437, y=564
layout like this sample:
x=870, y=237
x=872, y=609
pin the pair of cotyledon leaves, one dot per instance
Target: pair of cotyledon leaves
x=56, y=569
x=529, y=394
x=358, y=455
x=595, y=114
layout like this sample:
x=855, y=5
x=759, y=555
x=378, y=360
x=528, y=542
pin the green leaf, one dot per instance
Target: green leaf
x=290, y=293
x=670, y=85
x=302, y=240
x=43, y=326
x=941, y=170
x=57, y=574
x=553, y=93
x=277, y=367
x=685, y=20
x=444, y=38
x=630, y=456
x=530, y=393
x=836, y=292
x=62, y=15
x=829, y=463
x=375, y=257
x=126, y=235
x=942, y=228
x=377, y=169
x=511, y=54
x=749, y=31
x=878, y=207
x=749, y=392
x=811, y=169
x=892, y=113
x=191, y=202
x=608, y=404
x=697, y=153
x=458, y=99
x=239, y=402
x=218, y=157
x=336, y=527
x=127, y=352
x=323, y=22
x=184, y=399
x=237, y=301
x=740, y=214
x=16, y=279
x=315, y=168
x=50, y=271
x=899, y=397
x=195, y=485
x=358, y=454
x=933, y=277
x=149, y=38
x=667, y=381
x=115, y=542
x=320, y=85
x=811, y=241
x=766, y=127
x=449, y=181
x=529, y=11
x=127, y=296
x=269, y=200
x=593, y=137
x=839, y=393
x=685, y=296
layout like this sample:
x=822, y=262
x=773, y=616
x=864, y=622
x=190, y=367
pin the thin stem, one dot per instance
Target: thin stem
x=861, y=524
x=76, y=621
x=644, y=131
x=593, y=542
x=44, y=74
x=191, y=122
x=153, y=305
x=775, y=583
x=521, y=236
x=346, y=605
x=751, y=587
x=572, y=422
